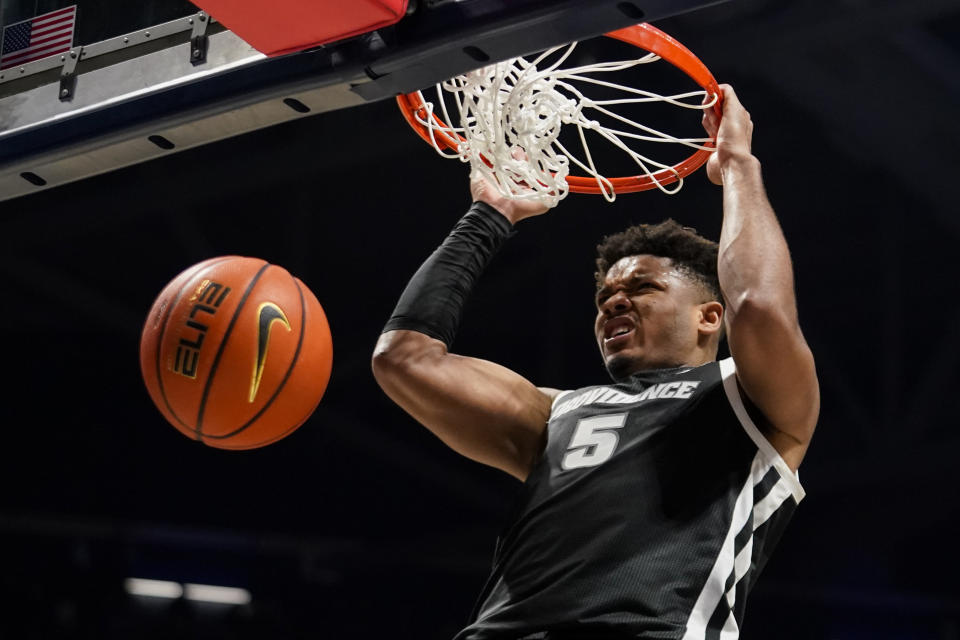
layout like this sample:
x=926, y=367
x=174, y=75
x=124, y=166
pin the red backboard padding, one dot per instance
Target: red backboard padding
x=275, y=27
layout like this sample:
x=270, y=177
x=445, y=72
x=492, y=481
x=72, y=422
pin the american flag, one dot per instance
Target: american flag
x=39, y=37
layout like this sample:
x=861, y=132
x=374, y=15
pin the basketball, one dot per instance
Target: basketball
x=236, y=352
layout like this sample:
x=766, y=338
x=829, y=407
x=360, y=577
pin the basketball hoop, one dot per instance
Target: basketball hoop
x=511, y=113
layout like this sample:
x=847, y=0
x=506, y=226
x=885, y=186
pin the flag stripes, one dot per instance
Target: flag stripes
x=44, y=35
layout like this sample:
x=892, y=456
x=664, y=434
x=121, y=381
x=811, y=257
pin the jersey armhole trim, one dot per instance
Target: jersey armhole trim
x=556, y=399
x=728, y=372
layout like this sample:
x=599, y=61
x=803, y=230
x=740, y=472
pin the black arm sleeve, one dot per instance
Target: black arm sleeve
x=434, y=298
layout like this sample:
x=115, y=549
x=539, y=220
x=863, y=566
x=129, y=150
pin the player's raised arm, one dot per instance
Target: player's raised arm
x=480, y=409
x=774, y=364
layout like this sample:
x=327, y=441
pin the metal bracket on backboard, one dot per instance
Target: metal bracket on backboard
x=198, y=39
x=68, y=74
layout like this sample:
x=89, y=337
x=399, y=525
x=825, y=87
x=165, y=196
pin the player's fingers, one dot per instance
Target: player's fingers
x=730, y=98
x=479, y=185
x=710, y=122
x=732, y=107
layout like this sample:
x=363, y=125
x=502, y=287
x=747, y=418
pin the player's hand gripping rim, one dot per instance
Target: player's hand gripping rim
x=733, y=134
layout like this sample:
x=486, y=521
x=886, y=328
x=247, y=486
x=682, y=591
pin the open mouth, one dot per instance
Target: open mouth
x=617, y=331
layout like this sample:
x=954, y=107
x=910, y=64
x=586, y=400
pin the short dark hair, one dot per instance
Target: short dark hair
x=693, y=254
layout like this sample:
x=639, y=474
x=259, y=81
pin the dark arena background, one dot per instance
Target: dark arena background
x=361, y=524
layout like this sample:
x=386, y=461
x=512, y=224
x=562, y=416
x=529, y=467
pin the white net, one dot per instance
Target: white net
x=511, y=114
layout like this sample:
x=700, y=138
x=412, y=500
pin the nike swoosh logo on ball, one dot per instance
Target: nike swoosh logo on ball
x=267, y=314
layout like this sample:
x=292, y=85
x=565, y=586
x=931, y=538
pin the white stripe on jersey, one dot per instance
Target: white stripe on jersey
x=741, y=565
x=714, y=588
x=768, y=505
x=728, y=561
x=730, y=629
x=771, y=502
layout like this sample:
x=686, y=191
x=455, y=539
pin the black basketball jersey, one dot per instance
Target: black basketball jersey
x=654, y=506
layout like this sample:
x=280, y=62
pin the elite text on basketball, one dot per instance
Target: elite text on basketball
x=208, y=298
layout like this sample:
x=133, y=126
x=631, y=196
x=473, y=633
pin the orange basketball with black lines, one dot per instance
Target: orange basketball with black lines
x=236, y=352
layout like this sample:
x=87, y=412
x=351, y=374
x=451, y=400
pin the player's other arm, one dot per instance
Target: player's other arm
x=480, y=409
x=775, y=366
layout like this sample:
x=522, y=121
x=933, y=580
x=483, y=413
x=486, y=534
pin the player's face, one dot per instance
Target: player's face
x=647, y=316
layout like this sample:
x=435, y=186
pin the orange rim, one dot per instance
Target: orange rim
x=645, y=37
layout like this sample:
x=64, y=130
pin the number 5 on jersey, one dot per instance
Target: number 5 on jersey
x=594, y=441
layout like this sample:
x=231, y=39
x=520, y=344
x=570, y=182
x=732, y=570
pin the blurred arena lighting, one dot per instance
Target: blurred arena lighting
x=219, y=595
x=153, y=588
x=196, y=592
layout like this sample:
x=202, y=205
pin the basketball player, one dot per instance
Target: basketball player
x=650, y=504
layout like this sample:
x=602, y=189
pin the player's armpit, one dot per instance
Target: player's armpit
x=550, y=393
x=480, y=409
x=776, y=371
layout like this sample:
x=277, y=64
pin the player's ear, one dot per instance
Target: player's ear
x=711, y=318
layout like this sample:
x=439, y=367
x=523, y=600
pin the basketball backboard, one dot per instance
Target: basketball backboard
x=186, y=81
